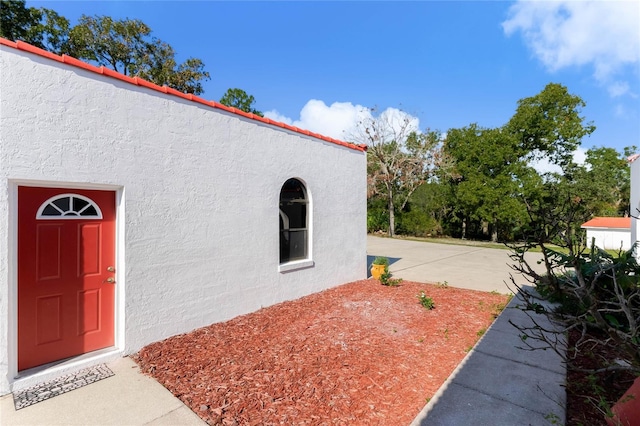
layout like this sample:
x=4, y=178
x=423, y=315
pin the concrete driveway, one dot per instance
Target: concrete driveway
x=470, y=267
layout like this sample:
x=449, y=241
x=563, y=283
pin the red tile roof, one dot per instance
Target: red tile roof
x=20, y=45
x=633, y=158
x=608, y=222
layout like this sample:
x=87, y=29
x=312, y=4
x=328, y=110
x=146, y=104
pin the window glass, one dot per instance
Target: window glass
x=69, y=206
x=293, y=221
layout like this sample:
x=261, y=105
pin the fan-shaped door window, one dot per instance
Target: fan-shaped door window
x=294, y=238
x=69, y=206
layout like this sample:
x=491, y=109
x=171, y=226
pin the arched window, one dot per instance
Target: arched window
x=294, y=238
x=69, y=206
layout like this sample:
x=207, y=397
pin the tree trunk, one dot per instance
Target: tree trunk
x=392, y=218
x=494, y=233
x=464, y=228
x=485, y=228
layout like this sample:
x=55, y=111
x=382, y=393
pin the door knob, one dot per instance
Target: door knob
x=110, y=280
x=111, y=269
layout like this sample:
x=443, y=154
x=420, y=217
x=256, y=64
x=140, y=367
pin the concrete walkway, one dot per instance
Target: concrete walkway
x=126, y=398
x=496, y=384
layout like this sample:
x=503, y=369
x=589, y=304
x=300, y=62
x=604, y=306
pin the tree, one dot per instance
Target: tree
x=493, y=180
x=549, y=125
x=126, y=46
x=51, y=32
x=16, y=20
x=399, y=158
x=603, y=182
x=157, y=64
x=119, y=44
x=487, y=177
x=238, y=98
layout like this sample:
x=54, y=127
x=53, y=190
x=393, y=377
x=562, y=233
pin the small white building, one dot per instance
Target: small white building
x=610, y=233
x=634, y=163
x=131, y=212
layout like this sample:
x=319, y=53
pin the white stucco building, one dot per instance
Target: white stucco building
x=131, y=212
x=609, y=233
x=634, y=163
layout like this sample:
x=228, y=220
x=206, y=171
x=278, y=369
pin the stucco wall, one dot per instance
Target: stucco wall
x=199, y=196
x=635, y=203
x=612, y=239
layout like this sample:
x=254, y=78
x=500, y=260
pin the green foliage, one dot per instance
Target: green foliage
x=609, y=278
x=487, y=176
x=381, y=260
x=603, y=182
x=433, y=200
x=386, y=280
x=16, y=20
x=553, y=419
x=417, y=223
x=598, y=295
x=50, y=31
x=238, y=98
x=377, y=220
x=481, y=182
x=377, y=215
x=549, y=125
x=43, y=28
x=427, y=302
x=124, y=45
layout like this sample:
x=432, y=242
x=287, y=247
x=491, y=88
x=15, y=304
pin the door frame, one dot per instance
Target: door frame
x=46, y=372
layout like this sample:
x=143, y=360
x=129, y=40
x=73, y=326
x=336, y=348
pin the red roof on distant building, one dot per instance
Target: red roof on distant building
x=633, y=158
x=608, y=222
x=20, y=45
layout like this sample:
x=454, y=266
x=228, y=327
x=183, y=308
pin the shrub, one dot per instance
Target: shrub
x=381, y=260
x=426, y=301
x=598, y=294
x=377, y=220
x=417, y=223
x=385, y=279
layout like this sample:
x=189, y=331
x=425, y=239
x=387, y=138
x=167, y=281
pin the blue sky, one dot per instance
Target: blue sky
x=447, y=63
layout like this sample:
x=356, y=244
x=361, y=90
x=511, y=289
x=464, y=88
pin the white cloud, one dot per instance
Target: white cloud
x=544, y=166
x=620, y=111
x=275, y=115
x=579, y=155
x=340, y=119
x=604, y=34
x=618, y=88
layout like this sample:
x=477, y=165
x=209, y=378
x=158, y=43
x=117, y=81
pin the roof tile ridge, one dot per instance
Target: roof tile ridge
x=145, y=83
x=617, y=222
x=21, y=45
x=81, y=64
x=7, y=42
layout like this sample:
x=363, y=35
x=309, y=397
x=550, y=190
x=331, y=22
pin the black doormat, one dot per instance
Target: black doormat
x=64, y=384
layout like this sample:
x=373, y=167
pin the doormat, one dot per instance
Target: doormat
x=64, y=384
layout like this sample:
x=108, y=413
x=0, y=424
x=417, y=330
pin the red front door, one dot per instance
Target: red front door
x=66, y=273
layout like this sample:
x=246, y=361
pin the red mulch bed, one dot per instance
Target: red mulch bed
x=360, y=353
